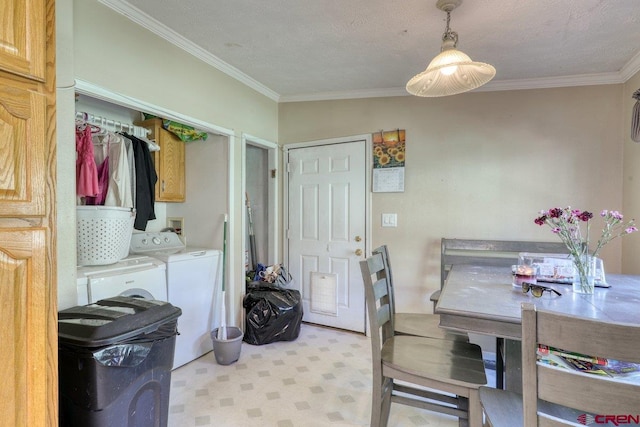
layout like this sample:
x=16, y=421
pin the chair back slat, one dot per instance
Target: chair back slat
x=579, y=392
x=380, y=289
x=383, y=314
x=386, y=272
x=377, y=298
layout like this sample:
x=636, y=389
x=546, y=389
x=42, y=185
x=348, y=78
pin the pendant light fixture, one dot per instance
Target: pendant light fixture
x=452, y=71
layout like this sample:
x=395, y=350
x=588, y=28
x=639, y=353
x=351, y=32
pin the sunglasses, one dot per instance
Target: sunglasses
x=537, y=290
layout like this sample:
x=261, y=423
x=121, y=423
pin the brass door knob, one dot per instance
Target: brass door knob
x=359, y=252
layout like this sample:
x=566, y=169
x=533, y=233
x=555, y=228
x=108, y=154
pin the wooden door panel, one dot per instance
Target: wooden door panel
x=171, y=170
x=23, y=296
x=22, y=38
x=22, y=148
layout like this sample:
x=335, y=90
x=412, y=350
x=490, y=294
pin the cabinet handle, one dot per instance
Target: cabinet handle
x=163, y=185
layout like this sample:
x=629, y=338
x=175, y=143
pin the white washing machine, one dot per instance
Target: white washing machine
x=193, y=284
x=137, y=276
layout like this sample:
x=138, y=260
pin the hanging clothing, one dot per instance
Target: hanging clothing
x=103, y=177
x=119, y=187
x=86, y=170
x=146, y=179
x=131, y=160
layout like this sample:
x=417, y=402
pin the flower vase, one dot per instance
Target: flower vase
x=584, y=272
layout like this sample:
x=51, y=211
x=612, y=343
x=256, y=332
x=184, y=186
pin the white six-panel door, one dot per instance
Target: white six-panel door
x=327, y=231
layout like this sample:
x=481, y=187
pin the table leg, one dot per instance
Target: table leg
x=500, y=363
x=513, y=365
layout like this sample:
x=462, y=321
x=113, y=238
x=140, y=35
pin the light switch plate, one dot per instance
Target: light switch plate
x=389, y=220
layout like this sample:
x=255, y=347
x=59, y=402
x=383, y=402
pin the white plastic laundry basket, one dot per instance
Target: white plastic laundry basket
x=103, y=234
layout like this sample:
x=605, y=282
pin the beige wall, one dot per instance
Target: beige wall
x=631, y=183
x=480, y=165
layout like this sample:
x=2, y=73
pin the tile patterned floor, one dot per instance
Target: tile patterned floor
x=321, y=379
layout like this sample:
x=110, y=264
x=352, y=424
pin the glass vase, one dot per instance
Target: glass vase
x=584, y=272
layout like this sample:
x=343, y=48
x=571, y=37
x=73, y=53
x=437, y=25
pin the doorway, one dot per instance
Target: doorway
x=328, y=227
x=261, y=194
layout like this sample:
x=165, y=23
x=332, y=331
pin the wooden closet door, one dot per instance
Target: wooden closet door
x=22, y=152
x=22, y=294
x=23, y=37
x=28, y=293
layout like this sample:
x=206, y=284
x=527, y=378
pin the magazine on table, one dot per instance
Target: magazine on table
x=588, y=364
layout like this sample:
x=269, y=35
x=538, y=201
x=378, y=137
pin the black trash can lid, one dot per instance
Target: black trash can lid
x=113, y=320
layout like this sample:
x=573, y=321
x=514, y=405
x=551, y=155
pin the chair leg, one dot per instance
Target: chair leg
x=475, y=409
x=386, y=402
x=381, y=402
x=376, y=406
x=463, y=404
x=499, y=363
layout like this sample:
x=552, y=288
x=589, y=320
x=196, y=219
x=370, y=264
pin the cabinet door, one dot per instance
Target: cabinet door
x=170, y=166
x=22, y=38
x=22, y=148
x=23, y=353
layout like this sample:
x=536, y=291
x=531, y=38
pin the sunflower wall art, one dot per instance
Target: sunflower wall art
x=388, y=161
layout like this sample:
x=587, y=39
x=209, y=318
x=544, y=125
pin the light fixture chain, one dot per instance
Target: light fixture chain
x=448, y=34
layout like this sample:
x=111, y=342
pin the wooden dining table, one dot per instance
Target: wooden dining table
x=482, y=300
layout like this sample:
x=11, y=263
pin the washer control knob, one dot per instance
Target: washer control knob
x=144, y=241
x=156, y=241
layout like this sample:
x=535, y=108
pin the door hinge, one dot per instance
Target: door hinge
x=273, y=173
x=288, y=167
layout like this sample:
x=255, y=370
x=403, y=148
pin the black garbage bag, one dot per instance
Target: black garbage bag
x=273, y=314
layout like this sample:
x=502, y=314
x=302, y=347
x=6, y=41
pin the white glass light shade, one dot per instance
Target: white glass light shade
x=450, y=73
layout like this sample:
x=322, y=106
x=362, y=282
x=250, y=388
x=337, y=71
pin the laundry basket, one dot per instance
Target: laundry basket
x=103, y=234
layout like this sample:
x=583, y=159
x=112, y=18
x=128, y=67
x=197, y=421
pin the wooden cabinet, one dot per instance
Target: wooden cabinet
x=169, y=162
x=23, y=296
x=23, y=38
x=22, y=147
x=28, y=293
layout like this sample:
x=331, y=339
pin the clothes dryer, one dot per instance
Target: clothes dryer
x=136, y=276
x=193, y=284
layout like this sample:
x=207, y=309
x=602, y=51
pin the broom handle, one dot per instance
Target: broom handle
x=222, y=331
x=252, y=236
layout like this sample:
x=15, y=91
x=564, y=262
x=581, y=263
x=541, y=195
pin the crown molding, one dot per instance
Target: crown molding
x=493, y=86
x=630, y=68
x=136, y=15
x=158, y=28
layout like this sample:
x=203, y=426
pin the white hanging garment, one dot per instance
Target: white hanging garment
x=132, y=166
x=119, y=190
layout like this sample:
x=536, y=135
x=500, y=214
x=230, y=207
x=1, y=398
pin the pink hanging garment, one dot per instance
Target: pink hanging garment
x=103, y=183
x=86, y=170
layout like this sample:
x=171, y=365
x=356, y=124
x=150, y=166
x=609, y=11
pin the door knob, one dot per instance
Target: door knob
x=359, y=252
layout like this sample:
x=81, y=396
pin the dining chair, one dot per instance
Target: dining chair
x=418, y=324
x=434, y=374
x=557, y=396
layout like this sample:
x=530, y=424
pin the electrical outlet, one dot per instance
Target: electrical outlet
x=389, y=220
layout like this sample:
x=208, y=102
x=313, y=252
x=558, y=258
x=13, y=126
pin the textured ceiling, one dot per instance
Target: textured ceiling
x=322, y=48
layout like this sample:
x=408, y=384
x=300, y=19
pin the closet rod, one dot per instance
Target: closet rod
x=114, y=125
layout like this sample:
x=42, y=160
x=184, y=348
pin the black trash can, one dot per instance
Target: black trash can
x=115, y=360
x=273, y=314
